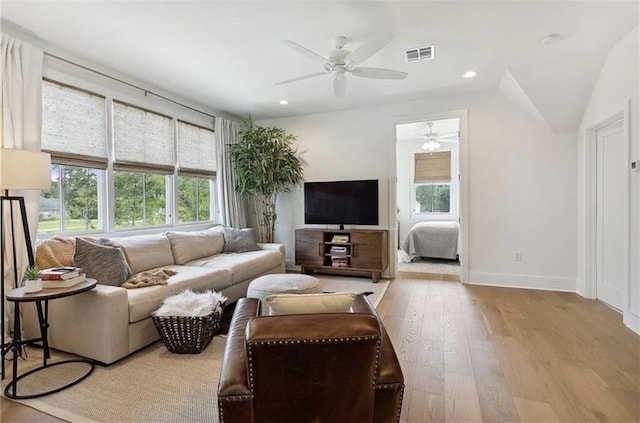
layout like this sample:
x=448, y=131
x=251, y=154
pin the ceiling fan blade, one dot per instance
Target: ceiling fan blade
x=378, y=73
x=306, y=52
x=300, y=78
x=339, y=84
x=368, y=49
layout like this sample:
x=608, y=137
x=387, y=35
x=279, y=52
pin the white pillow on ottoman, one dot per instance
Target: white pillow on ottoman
x=309, y=303
x=289, y=283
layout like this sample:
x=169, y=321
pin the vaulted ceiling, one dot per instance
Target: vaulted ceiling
x=228, y=55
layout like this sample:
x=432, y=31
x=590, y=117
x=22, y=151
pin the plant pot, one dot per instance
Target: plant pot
x=33, y=285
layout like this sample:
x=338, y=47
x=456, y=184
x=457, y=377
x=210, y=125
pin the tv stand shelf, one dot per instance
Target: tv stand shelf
x=365, y=251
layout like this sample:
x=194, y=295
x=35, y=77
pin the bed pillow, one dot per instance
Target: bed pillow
x=239, y=240
x=309, y=303
x=102, y=260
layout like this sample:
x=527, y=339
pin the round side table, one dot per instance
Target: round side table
x=18, y=296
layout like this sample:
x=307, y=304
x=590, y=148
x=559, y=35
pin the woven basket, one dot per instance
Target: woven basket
x=187, y=335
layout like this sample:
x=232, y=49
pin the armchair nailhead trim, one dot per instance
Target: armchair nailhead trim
x=252, y=344
x=221, y=401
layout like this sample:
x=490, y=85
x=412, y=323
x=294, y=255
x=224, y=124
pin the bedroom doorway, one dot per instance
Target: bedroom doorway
x=428, y=197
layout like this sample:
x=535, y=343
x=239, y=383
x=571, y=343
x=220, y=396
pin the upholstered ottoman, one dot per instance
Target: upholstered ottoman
x=290, y=283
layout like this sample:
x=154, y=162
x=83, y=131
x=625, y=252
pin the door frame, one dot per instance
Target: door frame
x=463, y=186
x=591, y=238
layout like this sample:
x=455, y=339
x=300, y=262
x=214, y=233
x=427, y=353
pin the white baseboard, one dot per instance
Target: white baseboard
x=632, y=321
x=522, y=281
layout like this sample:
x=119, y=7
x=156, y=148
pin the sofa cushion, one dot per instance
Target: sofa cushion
x=102, y=260
x=199, y=278
x=144, y=301
x=146, y=252
x=243, y=266
x=187, y=246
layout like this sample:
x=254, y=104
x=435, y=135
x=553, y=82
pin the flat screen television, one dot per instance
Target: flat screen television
x=341, y=202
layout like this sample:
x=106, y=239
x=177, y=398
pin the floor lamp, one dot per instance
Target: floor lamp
x=19, y=170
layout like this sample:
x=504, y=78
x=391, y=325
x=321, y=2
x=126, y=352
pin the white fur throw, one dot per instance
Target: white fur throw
x=192, y=304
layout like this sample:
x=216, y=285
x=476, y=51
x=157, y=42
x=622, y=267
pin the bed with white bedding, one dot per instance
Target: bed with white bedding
x=432, y=239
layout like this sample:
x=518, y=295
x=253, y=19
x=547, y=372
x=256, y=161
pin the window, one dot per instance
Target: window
x=74, y=132
x=432, y=198
x=194, y=199
x=140, y=199
x=71, y=205
x=432, y=188
x=196, y=162
x=155, y=169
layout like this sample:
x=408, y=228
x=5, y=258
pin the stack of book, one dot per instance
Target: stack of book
x=342, y=239
x=340, y=261
x=61, y=277
x=338, y=250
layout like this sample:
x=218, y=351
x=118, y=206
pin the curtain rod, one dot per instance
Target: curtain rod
x=146, y=92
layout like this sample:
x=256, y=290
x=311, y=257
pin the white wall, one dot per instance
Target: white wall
x=616, y=89
x=521, y=177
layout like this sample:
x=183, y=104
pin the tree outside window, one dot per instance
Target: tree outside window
x=433, y=198
x=194, y=199
x=140, y=199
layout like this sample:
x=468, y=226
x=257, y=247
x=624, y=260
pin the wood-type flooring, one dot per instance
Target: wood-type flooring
x=473, y=353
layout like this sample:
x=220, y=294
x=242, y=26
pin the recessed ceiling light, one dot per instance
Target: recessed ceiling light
x=469, y=74
x=284, y=102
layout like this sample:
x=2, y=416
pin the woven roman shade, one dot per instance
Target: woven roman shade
x=432, y=167
x=74, y=129
x=196, y=150
x=143, y=139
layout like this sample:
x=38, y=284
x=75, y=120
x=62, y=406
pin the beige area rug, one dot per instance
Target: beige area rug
x=152, y=385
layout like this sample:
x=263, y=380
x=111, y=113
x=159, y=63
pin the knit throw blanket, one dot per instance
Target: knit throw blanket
x=56, y=252
x=149, y=278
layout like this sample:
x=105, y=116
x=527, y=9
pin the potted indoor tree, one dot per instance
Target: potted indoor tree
x=266, y=164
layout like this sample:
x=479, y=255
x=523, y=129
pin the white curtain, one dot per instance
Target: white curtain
x=231, y=207
x=20, y=123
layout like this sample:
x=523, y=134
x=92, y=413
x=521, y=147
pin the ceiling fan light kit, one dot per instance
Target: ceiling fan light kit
x=340, y=62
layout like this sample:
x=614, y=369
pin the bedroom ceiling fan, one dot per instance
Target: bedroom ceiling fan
x=340, y=62
x=431, y=138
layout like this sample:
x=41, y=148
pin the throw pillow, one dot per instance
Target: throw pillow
x=310, y=303
x=239, y=240
x=104, y=263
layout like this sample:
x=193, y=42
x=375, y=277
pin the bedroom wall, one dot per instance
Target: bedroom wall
x=521, y=181
x=615, y=90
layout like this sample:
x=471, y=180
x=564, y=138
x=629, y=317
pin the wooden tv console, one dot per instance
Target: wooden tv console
x=360, y=251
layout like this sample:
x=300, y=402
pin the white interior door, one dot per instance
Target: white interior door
x=612, y=200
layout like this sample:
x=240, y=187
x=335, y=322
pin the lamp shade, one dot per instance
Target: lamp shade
x=23, y=169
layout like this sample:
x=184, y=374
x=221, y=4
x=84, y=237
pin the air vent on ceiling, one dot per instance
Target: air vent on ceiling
x=419, y=54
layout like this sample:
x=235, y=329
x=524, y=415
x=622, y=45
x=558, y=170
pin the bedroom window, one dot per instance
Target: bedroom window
x=432, y=183
x=432, y=198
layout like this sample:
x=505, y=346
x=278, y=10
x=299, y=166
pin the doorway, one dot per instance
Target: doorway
x=428, y=192
x=611, y=213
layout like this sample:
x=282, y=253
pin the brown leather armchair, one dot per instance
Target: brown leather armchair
x=331, y=367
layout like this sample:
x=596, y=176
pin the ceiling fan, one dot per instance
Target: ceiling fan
x=431, y=138
x=341, y=61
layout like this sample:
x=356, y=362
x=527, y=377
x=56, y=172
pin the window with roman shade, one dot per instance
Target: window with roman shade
x=432, y=167
x=196, y=150
x=143, y=140
x=74, y=129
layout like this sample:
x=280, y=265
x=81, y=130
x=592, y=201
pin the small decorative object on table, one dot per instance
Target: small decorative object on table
x=32, y=283
x=187, y=321
x=61, y=277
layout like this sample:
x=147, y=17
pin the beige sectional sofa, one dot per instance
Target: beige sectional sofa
x=110, y=322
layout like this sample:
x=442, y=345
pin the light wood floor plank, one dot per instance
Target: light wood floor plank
x=534, y=411
x=461, y=398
